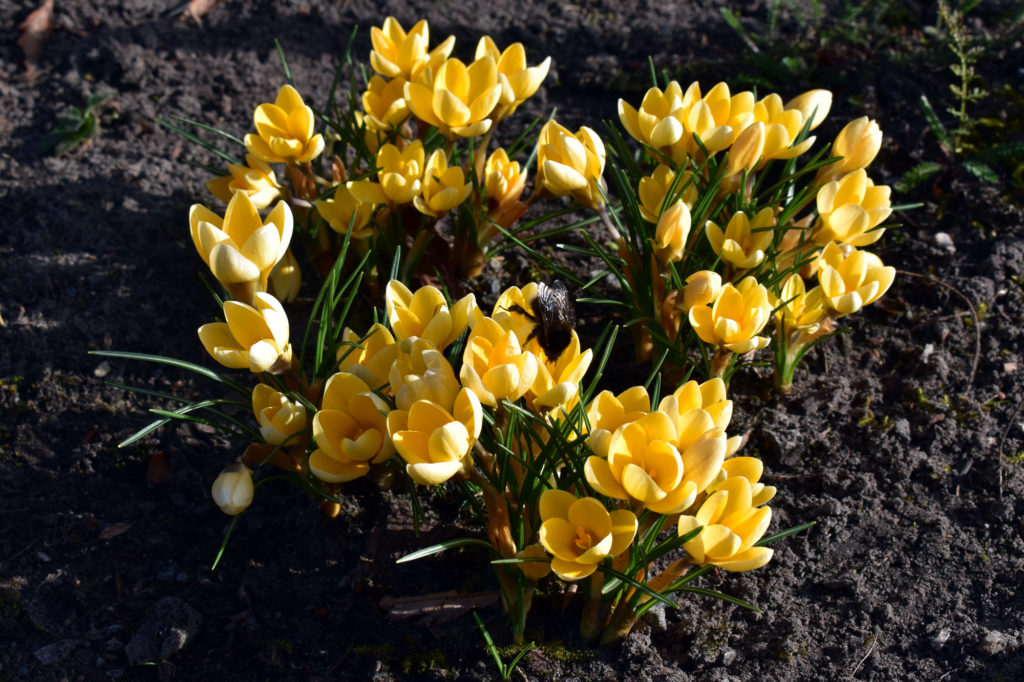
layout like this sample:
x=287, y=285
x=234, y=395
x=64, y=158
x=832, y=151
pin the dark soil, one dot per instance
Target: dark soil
x=899, y=438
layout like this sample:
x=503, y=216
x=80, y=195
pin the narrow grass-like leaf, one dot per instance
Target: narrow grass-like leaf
x=719, y=595
x=784, y=534
x=174, y=362
x=201, y=142
x=443, y=546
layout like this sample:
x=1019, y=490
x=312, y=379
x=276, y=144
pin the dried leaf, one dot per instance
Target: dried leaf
x=113, y=530
x=34, y=31
x=197, y=8
x=160, y=469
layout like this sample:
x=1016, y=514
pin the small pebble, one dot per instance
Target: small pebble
x=728, y=656
x=940, y=639
x=43, y=556
x=944, y=241
x=992, y=643
x=102, y=370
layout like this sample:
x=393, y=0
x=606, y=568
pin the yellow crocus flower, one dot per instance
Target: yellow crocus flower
x=343, y=211
x=285, y=130
x=797, y=309
x=253, y=338
x=435, y=439
x=279, y=417
x=607, y=412
x=400, y=54
x=654, y=188
x=241, y=248
x=350, y=430
x=518, y=81
x=730, y=527
x=580, y=533
x=736, y=318
x=384, y=103
x=570, y=164
x=858, y=144
x=426, y=314
x=399, y=175
x=368, y=357
x=233, y=490
x=671, y=232
x=504, y=180
x=743, y=242
x=702, y=288
x=853, y=280
x=443, y=188
x=850, y=210
x=494, y=366
x=456, y=99
x=255, y=179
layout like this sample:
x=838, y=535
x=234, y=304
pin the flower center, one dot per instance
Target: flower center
x=583, y=539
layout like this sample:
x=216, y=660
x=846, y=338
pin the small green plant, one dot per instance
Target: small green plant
x=75, y=126
x=961, y=139
x=505, y=670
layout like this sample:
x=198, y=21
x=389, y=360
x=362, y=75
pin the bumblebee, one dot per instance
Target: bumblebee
x=554, y=318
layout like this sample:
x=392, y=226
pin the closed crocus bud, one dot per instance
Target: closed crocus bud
x=400, y=54
x=444, y=187
x=850, y=210
x=285, y=130
x=580, y=533
x=285, y=279
x=570, y=164
x=743, y=242
x=350, y=430
x=671, y=233
x=233, y=489
x=426, y=314
x=494, y=366
x=241, y=248
x=850, y=282
x=654, y=188
x=384, y=103
x=256, y=179
x=736, y=318
x=731, y=525
x=702, y=287
x=399, y=175
x=858, y=143
x=816, y=103
x=433, y=440
x=252, y=338
x=456, y=99
x=343, y=212
x=279, y=417
x=503, y=180
x=745, y=153
x=518, y=81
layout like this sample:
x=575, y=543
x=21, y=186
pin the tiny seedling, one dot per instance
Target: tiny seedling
x=75, y=126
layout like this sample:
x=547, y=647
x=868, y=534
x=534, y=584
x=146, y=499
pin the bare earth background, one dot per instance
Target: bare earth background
x=898, y=438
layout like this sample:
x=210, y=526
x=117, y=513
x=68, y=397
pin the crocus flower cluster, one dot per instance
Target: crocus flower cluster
x=750, y=255
x=572, y=482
